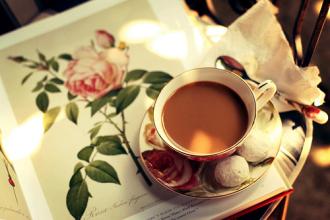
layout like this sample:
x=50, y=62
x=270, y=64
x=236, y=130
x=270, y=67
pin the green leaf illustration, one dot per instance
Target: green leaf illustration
x=17, y=59
x=102, y=172
x=126, y=96
x=109, y=148
x=94, y=131
x=57, y=81
x=54, y=64
x=42, y=57
x=49, y=117
x=100, y=139
x=135, y=75
x=97, y=104
x=52, y=88
x=85, y=153
x=154, y=90
x=38, y=87
x=112, y=102
x=26, y=78
x=71, y=96
x=49, y=62
x=152, y=93
x=158, y=86
x=78, y=167
x=72, y=112
x=65, y=56
x=42, y=101
x=44, y=79
x=111, y=145
x=76, y=177
x=157, y=77
x=77, y=199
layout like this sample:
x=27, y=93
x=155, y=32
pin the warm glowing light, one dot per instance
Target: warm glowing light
x=172, y=45
x=199, y=139
x=24, y=139
x=198, y=40
x=206, y=141
x=319, y=101
x=299, y=45
x=139, y=31
x=321, y=156
x=317, y=8
x=215, y=32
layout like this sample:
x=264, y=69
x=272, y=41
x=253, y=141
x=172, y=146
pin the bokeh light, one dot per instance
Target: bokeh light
x=317, y=8
x=24, y=139
x=321, y=156
x=172, y=45
x=139, y=31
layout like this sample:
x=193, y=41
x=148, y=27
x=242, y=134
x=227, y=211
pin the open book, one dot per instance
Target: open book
x=73, y=92
x=13, y=206
x=268, y=187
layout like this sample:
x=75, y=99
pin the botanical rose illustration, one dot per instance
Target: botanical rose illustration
x=92, y=74
x=97, y=78
x=172, y=169
x=118, y=56
x=104, y=39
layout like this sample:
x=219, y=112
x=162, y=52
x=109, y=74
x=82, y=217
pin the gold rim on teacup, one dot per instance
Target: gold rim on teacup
x=253, y=101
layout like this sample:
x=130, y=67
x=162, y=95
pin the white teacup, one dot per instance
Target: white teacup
x=253, y=101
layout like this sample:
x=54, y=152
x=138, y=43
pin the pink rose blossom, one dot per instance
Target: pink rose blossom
x=115, y=55
x=90, y=75
x=85, y=52
x=171, y=169
x=104, y=39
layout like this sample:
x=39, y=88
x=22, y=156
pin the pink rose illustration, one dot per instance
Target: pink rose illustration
x=104, y=39
x=172, y=169
x=115, y=55
x=92, y=75
x=91, y=72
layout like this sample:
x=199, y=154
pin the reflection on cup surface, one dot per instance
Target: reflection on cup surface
x=205, y=117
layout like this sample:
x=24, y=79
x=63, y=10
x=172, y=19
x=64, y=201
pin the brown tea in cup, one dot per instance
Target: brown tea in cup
x=205, y=117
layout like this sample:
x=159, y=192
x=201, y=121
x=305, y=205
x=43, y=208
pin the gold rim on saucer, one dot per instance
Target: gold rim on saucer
x=199, y=182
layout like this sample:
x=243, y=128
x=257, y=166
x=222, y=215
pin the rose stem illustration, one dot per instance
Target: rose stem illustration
x=6, y=163
x=98, y=75
x=134, y=157
x=122, y=133
x=10, y=180
x=47, y=68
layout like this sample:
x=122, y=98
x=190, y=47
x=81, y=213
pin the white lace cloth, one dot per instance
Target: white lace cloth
x=257, y=41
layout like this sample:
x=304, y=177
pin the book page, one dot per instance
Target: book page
x=190, y=208
x=12, y=202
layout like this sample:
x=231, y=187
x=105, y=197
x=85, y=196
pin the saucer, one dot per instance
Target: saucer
x=194, y=178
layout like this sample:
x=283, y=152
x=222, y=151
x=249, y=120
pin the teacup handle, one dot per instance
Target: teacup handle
x=264, y=92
